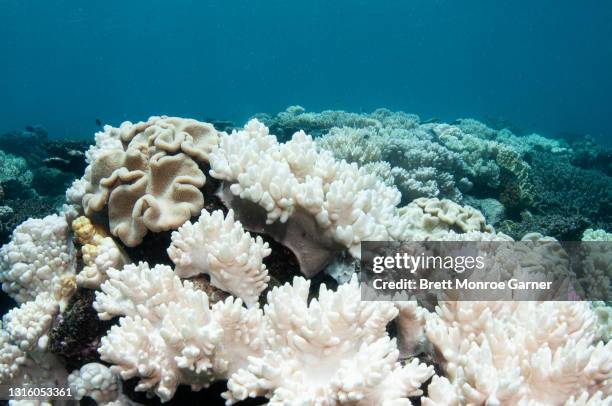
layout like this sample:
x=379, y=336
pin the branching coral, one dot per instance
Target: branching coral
x=302, y=347
x=28, y=324
x=39, y=258
x=220, y=248
x=147, y=174
x=519, y=352
x=332, y=350
x=168, y=334
x=306, y=191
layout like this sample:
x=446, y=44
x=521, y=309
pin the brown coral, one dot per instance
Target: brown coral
x=148, y=175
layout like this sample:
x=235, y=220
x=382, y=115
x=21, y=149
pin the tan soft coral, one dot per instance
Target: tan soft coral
x=148, y=175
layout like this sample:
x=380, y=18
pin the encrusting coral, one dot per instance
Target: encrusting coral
x=220, y=248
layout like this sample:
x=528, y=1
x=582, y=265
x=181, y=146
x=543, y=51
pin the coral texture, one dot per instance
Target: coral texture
x=147, y=174
x=332, y=350
x=39, y=258
x=519, y=352
x=99, y=253
x=219, y=247
x=168, y=334
x=97, y=382
x=293, y=179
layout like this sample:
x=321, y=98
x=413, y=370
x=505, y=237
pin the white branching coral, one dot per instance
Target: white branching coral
x=536, y=353
x=168, y=334
x=219, y=247
x=332, y=350
x=244, y=332
x=337, y=202
x=38, y=259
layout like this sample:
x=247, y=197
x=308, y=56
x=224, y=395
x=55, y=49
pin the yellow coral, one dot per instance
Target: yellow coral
x=86, y=232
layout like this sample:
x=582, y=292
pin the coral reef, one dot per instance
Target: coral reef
x=190, y=265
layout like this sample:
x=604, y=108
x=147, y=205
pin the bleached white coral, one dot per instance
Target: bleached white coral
x=28, y=324
x=168, y=334
x=431, y=219
x=99, y=253
x=11, y=358
x=411, y=327
x=596, y=235
x=520, y=352
x=219, y=247
x=98, y=259
x=332, y=350
x=39, y=258
x=97, y=382
x=348, y=204
x=244, y=335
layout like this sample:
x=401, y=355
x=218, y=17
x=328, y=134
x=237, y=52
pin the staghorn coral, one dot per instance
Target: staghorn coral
x=39, y=258
x=332, y=350
x=147, y=174
x=220, y=248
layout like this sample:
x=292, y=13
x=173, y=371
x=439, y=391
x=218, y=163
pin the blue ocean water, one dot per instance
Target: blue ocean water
x=544, y=66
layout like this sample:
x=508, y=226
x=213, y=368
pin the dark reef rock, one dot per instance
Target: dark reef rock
x=51, y=181
x=567, y=200
x=35, y=146
x=76, y=333
x=22, y=209
x=563, y=228
x=210, y=396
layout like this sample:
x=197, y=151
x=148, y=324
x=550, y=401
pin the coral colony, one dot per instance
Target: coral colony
x=197, y=256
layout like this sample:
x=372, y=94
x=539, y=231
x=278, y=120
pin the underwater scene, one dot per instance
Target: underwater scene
x=305, y=203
